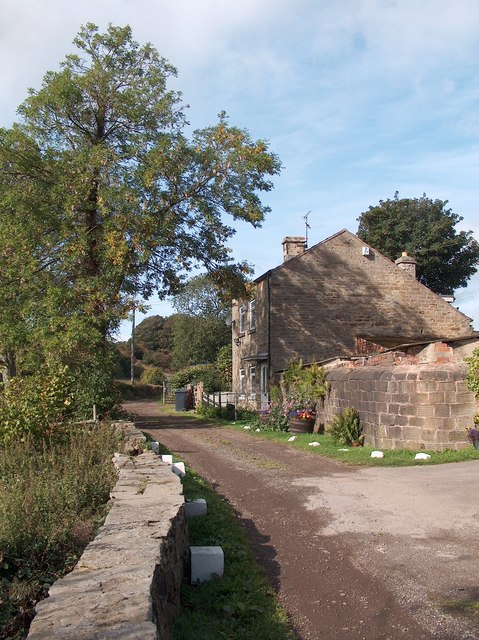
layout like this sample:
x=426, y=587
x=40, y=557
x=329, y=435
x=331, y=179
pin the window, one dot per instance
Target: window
x=252, y=378
x=242, y=318
x=252, y=315
x=242, y=380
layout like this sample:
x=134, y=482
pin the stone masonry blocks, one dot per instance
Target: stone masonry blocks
x=405, y=405
x=127, y=582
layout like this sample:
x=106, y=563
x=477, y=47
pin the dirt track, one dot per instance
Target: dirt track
x=352, y=552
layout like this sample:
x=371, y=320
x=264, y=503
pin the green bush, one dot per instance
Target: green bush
x=205, y=373
x=226, y=412
x=136, y=391
x=346, y=428
x=153, y=375
x=36, y=405
x=472, y=379
x=39, y=404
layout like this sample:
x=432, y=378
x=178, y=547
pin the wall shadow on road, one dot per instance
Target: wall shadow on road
x=264, y=553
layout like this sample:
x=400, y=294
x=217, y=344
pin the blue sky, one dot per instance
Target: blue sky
x=359, y=98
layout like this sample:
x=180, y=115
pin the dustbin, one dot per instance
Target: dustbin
x=180, y=399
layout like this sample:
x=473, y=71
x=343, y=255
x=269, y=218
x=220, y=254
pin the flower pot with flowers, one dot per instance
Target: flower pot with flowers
x=304, y=387
x=302, y=419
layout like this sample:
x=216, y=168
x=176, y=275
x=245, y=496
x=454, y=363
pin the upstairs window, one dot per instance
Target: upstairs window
x=252, y=315
x=242, y=318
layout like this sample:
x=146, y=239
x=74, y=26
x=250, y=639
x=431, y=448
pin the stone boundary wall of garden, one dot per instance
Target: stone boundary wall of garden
x=127, y=582
x=405, y=406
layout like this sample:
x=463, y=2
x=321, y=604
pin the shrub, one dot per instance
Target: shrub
x=472, y=379
x=346, y=428
x=36, y=405
x=196, y=373
x=152, y=375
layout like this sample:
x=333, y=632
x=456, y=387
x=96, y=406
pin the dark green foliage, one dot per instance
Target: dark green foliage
x=201, y=297
x=425, y=228
x=205, y=373
x=197, y=340
x=224, y=367
x=346, y=428
x=41, y=404
x=153, y=375
x=154, y=333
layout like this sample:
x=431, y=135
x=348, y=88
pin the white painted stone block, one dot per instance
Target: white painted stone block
x=206, y=562
x=292, y=438
x=314, y=444
x=246, y=427
x=179, y=469
x=422, y=456
x=196, y=507
x=167, y=458
x=377, y=454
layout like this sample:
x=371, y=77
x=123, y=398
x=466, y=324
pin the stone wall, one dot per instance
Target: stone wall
x=127, y=582
x=405, y=406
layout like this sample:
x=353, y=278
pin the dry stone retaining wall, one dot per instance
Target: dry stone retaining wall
x=127, y=582
x=409, y=406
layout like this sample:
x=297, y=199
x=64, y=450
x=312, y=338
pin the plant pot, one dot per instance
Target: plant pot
x=296, y=425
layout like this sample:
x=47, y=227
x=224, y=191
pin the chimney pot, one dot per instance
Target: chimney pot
x=293, y=246
x=407, y=263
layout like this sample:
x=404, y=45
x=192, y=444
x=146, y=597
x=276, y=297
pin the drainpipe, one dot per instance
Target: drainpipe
x=269, y=328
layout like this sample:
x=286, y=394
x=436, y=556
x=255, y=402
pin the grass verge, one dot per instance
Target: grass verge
x=356, y=455
x=241, y=605
x=326, y=448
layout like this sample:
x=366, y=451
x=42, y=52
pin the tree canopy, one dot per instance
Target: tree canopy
x=104, y=198
x=425, y=228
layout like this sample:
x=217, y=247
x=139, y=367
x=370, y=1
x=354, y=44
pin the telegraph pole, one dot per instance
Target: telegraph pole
x=132, y=359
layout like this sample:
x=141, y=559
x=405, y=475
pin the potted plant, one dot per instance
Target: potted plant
x=304, y=387
x=302, y=415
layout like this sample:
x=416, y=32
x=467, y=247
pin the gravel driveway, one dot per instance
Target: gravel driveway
x=356, y=553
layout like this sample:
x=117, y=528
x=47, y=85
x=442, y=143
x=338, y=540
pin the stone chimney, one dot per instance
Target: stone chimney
x=407, y=263
x=293, y=246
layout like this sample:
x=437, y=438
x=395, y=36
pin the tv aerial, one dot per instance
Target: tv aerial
x=307, y=226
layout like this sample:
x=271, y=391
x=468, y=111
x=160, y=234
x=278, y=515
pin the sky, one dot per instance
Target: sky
x=358, y=98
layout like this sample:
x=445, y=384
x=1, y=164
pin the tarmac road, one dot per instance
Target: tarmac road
x=354, y=553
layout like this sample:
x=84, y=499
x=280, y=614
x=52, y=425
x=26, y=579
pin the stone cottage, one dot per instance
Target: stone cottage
x=338, y=299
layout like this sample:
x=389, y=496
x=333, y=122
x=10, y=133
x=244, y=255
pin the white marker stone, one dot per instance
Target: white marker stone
x=179, y=469
x=292, y=438
x=377, y=454
x=196, y=507
x=206, y=562
x=422, y=456
x=314, y=444
x=246, y=427
x=167, y=458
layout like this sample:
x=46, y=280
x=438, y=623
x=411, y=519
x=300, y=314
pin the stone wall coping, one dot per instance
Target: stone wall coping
x=139, y=550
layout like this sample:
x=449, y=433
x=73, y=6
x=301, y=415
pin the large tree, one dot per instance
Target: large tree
x=425, y=228
x=199, y=329
x=107, y=197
